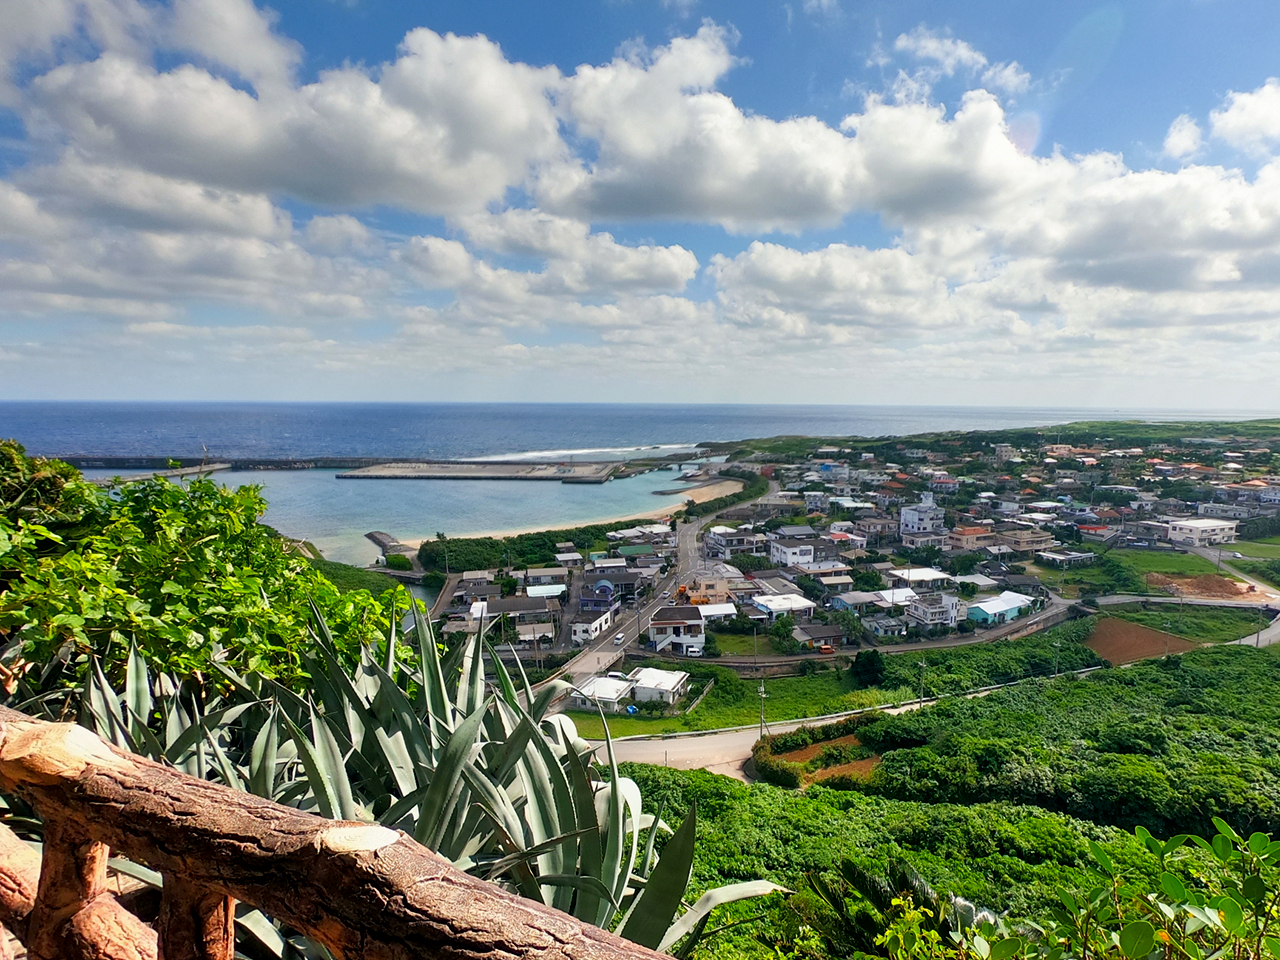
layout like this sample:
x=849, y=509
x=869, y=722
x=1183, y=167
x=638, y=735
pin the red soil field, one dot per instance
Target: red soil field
x=805, y=754
x=1123, y=642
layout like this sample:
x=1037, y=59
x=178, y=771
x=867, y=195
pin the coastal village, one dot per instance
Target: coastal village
x=899, y=547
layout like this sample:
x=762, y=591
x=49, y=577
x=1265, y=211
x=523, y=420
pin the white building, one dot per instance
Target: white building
x=789, y=553
x=679, y=627
x=920, y=579
x=652, y=684
x=896, y=597
x=721, y=542
x=589, y=626
x=937, y=610
x=787, y=603
x=606, y=691
x=922, y=517
x=1202, y=531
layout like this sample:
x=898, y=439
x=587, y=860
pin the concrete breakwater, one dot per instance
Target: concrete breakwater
x=376, y=468
x=484, y=470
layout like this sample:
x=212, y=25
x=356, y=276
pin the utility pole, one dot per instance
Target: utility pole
x=1057, y=645
x=763, y=696
x=923, y=667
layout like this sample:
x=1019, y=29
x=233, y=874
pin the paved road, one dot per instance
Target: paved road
x=598, y=657
x=727, y=751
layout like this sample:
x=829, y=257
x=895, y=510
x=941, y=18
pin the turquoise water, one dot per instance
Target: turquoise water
x=336, y=514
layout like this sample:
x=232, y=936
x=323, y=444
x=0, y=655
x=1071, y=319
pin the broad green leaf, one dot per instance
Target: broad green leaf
x=1254, y=889
x=1100, y=856
x=1172, y=886
x=1230, y=912
x=1137, y=939
x=1224, y=829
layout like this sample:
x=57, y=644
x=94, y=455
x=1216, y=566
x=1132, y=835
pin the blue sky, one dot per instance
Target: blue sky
x=812, y=201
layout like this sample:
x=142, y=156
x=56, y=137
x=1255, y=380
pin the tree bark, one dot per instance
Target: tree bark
x=19, y=881
x=362, y=890
x=195, y=923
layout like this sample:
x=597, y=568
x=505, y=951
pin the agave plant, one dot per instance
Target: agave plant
x=476, y=770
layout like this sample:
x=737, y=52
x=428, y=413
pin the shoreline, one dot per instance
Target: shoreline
x=697, y=495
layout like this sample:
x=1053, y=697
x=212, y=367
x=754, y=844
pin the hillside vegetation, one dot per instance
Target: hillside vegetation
x=1166, y=744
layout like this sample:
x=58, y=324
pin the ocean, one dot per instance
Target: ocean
x=336, y=514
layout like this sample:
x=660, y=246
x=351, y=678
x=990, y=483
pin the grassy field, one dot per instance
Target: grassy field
x=741, y=645
x=788, y=698
x=1172, y=564
x=1206, y=624
x=346, y=577
x=1268, y=549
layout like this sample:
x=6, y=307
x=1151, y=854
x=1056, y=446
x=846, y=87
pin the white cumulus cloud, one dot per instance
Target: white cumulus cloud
x=1250, y=121
x=1184, y=138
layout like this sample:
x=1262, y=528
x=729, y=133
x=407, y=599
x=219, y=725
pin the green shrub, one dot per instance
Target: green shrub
x=398, y=561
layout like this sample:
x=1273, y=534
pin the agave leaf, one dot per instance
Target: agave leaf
x=550, y=692
x=148, y=876
x=432, y=690
x=263, y=930
x=524, y=678
x=418, y=740
x=137, y=686
x=262, y=757
x=392, y=816
x=447, y=780
x=194, y=730
x=595, y=910
x=611, y=816
x=494, y=802
x=330, y=754
x=652, y=913
x=495, y=868
x=390, y=664
x=471, y=684
x=505, y=686
x=572, y=881
x=396, y=756
x=697, y=915
x=646, y=865
x=230, y=776
x=149, y=745
x=104, y=707
x=322, y=789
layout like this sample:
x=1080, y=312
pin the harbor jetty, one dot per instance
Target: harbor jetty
x=574, y=472
x=198, y=471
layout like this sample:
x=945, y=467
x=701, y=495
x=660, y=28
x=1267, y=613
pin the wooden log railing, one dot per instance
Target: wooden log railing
x=361, y=890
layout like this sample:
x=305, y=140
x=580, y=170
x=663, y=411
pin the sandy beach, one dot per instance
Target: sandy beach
x=721, y=488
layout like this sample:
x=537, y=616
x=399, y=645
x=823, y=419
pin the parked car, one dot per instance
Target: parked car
x=620, y=639
x=826, y=648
